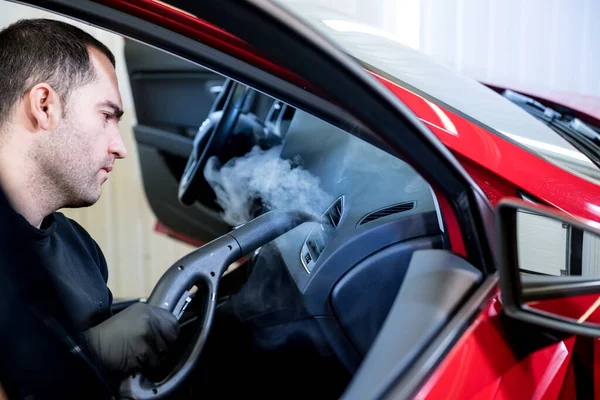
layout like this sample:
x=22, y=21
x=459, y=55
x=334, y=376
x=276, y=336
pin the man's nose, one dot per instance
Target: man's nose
x=117, y=147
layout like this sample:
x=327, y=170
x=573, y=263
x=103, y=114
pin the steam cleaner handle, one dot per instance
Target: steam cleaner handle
x=267, y=227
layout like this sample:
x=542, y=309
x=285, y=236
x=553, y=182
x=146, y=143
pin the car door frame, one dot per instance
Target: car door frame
x=376, y=118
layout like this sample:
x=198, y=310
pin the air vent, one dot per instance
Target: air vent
x=320, y=235
x=384, y=212
x=334, y=212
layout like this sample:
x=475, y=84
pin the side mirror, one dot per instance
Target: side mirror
x=549, y=267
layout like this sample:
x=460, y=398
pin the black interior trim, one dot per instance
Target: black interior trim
x=385, y=270
x=576, y=256
x=176, y=145
x=542, y=287
x=200, y=222
x=434, y=287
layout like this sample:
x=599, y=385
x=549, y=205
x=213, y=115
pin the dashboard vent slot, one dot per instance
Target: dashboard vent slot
x=334, y=212
x=320, y=235
x=384, y=212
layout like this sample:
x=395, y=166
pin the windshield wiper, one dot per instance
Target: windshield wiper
x=574, y=131
x=581, y=127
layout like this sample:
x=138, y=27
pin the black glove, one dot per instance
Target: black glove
x=135, y=338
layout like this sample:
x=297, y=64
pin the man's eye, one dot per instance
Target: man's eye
x=107, y=117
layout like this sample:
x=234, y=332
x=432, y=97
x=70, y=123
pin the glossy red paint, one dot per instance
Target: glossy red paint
x=569, y=390
x=584, y=308
x=494, y=187
x=473, y=371
x=497, y=164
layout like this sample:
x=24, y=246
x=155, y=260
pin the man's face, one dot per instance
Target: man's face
x=80, y=152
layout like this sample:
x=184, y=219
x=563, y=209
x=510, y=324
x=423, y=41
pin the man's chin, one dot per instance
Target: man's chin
x=84, y=201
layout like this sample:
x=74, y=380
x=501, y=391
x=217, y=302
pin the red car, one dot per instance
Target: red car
x=401, y=231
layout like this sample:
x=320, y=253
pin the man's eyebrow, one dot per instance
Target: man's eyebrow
x=117, y=110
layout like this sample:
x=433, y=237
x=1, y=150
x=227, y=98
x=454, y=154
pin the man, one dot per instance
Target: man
x=42, y=356
x=59, y=138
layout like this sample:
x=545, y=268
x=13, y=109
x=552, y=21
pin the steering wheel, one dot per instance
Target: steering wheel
x=211, y=137
x=203, y=268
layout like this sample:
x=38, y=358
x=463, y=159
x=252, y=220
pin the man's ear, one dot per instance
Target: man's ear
x=44, y=106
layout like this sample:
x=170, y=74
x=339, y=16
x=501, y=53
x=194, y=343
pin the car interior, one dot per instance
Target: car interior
x=305, y=309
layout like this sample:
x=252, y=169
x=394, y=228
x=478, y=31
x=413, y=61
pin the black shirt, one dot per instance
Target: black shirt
x=76, y=267
x=52, y=286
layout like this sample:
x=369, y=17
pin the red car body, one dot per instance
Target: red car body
x=482, y=364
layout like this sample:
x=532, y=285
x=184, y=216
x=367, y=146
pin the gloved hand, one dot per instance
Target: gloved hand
x=137, y=337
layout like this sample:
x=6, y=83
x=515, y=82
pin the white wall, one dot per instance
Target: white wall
x=542, y=244
x=590, y=255
x=400, y=18
x=550, y=44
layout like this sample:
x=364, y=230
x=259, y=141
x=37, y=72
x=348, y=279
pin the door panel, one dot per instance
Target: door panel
x=172, y=97
x=175, y=100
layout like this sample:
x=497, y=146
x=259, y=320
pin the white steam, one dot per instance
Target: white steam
x=263, y=176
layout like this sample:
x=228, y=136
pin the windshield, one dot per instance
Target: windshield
x=442, y=85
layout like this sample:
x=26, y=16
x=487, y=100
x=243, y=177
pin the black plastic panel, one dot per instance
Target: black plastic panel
x=542, y=287
x=174, y=98
x=339, y=342
x=363, y=297
x=436, y=283
x=178, y=146
x=169, y=91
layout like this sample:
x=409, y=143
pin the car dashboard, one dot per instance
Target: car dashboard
x=381, y=211
x=333, y=282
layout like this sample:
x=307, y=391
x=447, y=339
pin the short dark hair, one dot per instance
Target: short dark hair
x=33, y=51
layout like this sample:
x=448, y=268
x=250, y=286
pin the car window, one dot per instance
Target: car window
x=374, y=209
